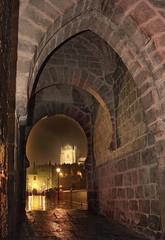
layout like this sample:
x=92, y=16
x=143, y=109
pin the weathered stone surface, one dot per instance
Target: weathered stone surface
x=144, y=176
x=133, y=205
x=154, y=174
x=72, y=224
x=134, y=161
x=132, y=97
x=8, y=52
x=144, y=206
x=155, y=207
x=119, y=180
x=139, y=190
x=148, y=156
x=154, y=222
x=130, y=193
x=143, y=220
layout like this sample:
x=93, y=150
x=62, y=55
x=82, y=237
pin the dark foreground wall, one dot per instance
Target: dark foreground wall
x=8, y=50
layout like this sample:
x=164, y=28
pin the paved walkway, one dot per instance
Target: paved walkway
x=70, y=224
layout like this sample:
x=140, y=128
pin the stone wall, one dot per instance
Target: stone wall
x=102, y=136
x=126, y=179
x=8, y=49
x=129, y=111
x=3, y=193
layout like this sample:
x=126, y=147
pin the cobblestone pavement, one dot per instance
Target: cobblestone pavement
x=71, y=224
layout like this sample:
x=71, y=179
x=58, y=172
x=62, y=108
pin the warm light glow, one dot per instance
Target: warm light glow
x=58, y=170
x=61, y=174
x=68, y=154
x=41, y=183
x=36, y=202
x=79, y=173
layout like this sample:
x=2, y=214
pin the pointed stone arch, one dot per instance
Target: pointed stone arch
x=137, y=42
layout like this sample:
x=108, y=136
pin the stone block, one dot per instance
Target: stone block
x=119, y=180
x=144, y=206
x=154, y=174
x=148, y=156
x=148, y=100
x=134, y=177
x=155, y=26
x=130, y=193
x=154, y=223
x=122, y=165
x=114, y=193
x=143, y=12
x=129, y=25
x=134, y=161
x=133, y=205
x=139, y=192
x=160, y=147
x=143, y=176
x=117, y=15
x=155, y=207
x=121, y=193
x=150, y=191
x=150, y=139
x=127, y=179
x=143, y=221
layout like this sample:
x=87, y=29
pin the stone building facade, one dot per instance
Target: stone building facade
x=68, y=155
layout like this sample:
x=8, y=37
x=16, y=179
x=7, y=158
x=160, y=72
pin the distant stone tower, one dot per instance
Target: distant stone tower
x=68, y=154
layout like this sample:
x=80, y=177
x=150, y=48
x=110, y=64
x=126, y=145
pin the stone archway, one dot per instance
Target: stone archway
x=149, y=94
x=140, y=56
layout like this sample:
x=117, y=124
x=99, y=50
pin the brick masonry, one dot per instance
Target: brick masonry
x=134, y=104
x=126, y=178
x=135, y=152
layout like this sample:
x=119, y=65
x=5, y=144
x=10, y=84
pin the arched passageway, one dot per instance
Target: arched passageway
x=102, y=64
x=56, y=143
x=86, y=74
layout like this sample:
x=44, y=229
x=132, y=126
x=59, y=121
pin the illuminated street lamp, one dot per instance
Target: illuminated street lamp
x=58, y=170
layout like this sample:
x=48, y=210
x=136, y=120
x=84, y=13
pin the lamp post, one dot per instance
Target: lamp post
x=58, y=170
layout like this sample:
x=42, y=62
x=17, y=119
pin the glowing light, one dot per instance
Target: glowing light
x=61, y=174
x=44, y=203
x=58, y=170
x=36, y=202
x=79, y=174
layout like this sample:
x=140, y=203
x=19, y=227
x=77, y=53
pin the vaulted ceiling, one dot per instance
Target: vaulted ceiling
x=56, y=34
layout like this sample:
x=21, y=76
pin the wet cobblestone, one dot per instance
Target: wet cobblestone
x=71, y=224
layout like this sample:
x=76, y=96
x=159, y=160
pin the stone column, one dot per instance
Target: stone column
x=92, y=196
x=8, y=55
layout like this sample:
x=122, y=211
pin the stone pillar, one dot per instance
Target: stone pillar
x=22, y=172
x=92, y=193
x=8, y=55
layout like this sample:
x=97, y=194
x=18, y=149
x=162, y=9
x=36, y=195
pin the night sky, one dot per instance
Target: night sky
x=49, y=134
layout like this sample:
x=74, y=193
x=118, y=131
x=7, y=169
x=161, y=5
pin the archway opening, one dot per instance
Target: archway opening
x=85, y=78
x=57, y=149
